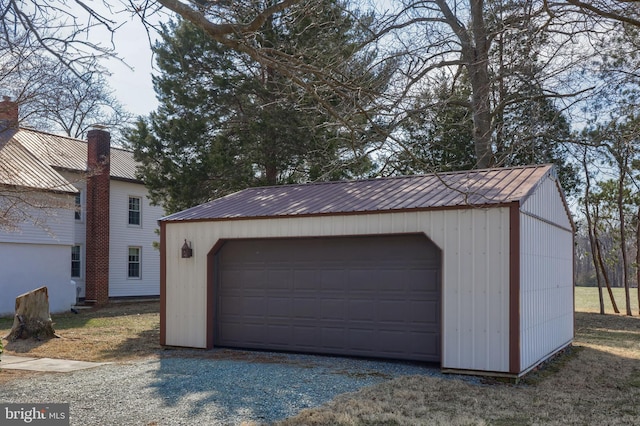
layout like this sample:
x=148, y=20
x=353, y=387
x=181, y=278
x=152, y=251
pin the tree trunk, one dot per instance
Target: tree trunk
x=475, y=44
x=592, y=243
x=32, y=318
x=605, y=275
x=477, y=59
x=638, y=257
x=623, y=231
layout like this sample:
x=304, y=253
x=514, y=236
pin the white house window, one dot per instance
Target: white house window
x=134, y=262
x=78, y=207
x=134, y=211
x=76, y=262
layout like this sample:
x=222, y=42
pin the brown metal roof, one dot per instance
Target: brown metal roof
x=18, y=167
x=443, y=190
x=71, y=154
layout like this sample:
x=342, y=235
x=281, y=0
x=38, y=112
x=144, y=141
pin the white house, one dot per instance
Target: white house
x=99, y=232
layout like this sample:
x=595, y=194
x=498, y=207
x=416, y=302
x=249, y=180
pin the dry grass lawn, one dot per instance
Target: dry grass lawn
x=119, y=331
x=597, y=381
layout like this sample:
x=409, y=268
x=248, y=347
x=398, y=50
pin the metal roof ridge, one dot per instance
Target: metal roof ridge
x=29, y=129
x=415, y=176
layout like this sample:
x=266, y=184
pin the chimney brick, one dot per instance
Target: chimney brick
x=8, y=113
x=97, y=245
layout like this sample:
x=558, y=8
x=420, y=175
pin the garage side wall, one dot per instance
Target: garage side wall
x=546, y=276
x=475, y=250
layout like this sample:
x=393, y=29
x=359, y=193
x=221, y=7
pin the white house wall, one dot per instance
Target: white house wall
x=33, y=257
x=475, y=245
x=546, y=275
x=122, y=236
x=55, y=225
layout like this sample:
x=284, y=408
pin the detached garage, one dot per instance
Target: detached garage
x=472, y=270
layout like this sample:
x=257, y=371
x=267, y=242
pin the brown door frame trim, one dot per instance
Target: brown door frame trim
x=163, y=283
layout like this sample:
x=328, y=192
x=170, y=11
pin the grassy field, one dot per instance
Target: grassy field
x=597, y=381
x=587, y=300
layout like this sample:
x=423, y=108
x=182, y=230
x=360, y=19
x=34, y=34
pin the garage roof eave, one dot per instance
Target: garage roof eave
x=455, y=190
x=169, y=219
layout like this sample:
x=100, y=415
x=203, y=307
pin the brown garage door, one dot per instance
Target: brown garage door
x=366, y=296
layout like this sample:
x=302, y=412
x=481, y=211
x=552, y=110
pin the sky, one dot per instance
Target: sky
x=133, y=86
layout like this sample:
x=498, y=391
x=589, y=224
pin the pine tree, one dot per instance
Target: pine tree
x=226, y=122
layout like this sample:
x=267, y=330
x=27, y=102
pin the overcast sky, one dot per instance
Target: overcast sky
x=133, y=87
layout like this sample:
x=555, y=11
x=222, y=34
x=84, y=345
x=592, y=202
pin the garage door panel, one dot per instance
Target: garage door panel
x=254, y=306
x=306, y=309
x=426, y=344
x=392, y=311
x=333, y=309
x=366, y=296
x=362, y=339
x=333, y=338
x=423, y=280
x=278, y=279
x=279, y=307
x=279, y=334
x=424, y=312
x=360, y=310
x=306, y=279
x=331, y=279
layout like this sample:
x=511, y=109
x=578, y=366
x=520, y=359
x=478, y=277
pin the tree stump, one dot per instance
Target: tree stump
x=32, y=317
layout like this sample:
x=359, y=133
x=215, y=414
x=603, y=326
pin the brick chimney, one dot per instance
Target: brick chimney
x=97, y=219
x=8, y=113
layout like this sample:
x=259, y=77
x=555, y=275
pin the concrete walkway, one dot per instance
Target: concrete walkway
x=11, y=362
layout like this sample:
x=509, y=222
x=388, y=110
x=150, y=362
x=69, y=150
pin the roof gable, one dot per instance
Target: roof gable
x=71, y=154
x=478, y=188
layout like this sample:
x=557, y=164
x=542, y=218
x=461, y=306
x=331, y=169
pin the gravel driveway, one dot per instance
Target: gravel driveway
x=205, y=388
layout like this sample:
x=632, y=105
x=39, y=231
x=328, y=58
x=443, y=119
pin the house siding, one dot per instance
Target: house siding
x=475, y=248
x=50, y=248
x=123, y=236
x=546, y=275
x=56, y=223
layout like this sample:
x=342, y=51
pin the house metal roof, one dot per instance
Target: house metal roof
x=18, y=167
x=71, y=154
x=442, y=190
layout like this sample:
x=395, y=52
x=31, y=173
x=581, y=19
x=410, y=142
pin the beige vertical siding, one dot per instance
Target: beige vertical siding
x=546, y=203
x=475, y=273
x=546, y=275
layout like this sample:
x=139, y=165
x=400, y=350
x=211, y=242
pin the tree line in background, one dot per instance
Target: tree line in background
x=266, y=92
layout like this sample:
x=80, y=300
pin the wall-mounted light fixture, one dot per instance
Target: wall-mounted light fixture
x=187, y=251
